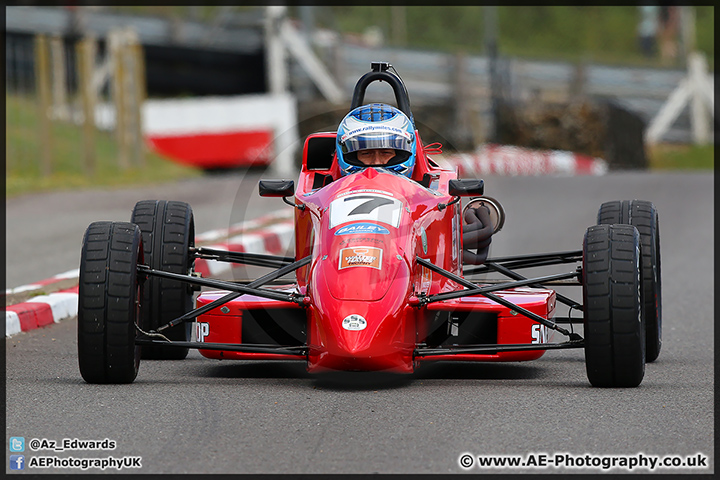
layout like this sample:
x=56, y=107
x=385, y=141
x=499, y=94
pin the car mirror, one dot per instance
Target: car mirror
x=276, y=188
x=471, y=187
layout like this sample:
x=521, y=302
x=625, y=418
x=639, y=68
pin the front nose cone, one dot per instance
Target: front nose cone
x=361, y=336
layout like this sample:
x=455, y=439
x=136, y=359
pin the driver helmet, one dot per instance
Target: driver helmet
x=372, y=126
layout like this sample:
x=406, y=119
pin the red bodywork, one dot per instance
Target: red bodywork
x=364, y=232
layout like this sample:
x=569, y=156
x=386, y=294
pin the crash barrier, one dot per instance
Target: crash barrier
x=491, y=159
x=224, y=132
x=269, y=234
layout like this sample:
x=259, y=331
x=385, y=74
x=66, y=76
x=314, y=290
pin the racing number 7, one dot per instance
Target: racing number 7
x=370, y=205
x=365, y=207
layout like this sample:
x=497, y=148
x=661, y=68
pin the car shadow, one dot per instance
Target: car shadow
x=360, y=381
x=477, y=371
x=258, y=369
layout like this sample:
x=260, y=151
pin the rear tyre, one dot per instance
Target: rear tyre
x=109, y=294
x=168, y=232
x=613, y=306
x=644, y=217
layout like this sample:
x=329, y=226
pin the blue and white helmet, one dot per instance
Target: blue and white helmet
x=376, y=125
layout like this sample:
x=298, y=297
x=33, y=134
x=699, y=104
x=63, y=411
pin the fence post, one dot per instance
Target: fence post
x=85, y=52
x=42, y=82
x=141, y=95
x=115, y=40
x=134, y=78
x=59, y=80
x=125, y=82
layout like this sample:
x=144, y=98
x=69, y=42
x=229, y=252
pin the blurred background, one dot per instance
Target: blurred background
x=101, y=95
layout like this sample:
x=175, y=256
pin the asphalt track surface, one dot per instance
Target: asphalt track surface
x=207, y=416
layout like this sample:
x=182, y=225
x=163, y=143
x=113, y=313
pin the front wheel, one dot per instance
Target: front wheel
x=613, y=306
x=109, y=297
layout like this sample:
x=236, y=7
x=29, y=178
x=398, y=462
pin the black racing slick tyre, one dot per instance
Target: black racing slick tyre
x=613, y=306
x=109, y=297
x=644, y=217
x=168, y=232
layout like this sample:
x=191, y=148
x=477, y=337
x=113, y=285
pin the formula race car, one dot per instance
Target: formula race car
x=377, y=281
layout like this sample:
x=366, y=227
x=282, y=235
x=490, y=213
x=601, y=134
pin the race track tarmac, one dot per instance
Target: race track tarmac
x=207, y=416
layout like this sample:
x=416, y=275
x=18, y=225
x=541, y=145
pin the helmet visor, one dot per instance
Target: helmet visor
x=365, y=136
x=365, y=142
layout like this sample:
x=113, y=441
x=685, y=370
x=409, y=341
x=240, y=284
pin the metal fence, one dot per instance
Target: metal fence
x=54, y=84
x=432, y=79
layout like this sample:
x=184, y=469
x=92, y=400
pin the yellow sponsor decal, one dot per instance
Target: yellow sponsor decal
x=360, y=257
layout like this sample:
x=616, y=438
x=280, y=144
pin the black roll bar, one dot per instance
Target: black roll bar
x=378, y=74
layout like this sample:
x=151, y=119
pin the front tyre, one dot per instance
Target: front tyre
x=643, y=215
x=109, y=295
x=613, y=306
x=168, y=232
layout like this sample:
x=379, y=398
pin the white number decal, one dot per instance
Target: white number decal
x=539, y=333
x=201, y=331
x=364, y=207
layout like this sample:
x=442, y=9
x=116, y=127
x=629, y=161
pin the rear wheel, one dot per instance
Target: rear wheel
x=643, y=216
x=168, y=232
x=109, y=295
x=613, y=307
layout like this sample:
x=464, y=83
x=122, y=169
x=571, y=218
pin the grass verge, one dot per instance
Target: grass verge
x=23, y=151
x=667, y=156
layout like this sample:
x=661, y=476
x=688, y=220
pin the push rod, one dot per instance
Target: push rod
x=494, y=288
x=229, y=347
x=491, y=349
x=257, y=259
x=516, y=276
x=473, y=290
x=537, y=256
x=269, y=277
x=527, y=261
x=221, y=284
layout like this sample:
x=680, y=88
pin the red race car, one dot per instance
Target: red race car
x=378, y=281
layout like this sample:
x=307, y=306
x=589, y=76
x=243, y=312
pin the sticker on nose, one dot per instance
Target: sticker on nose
x=360, y=257
x=354, y=322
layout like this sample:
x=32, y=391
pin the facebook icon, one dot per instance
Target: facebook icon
x=17, y=462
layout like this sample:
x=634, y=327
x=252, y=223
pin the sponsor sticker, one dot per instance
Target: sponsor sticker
x=425, y=279
x=365, y=190
x=360, y=257
x=202, y=330
x=375, y=129
x=366, y=240
x=455, y=238
x=539, y=333
x=363, y=228
x=354, y=322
